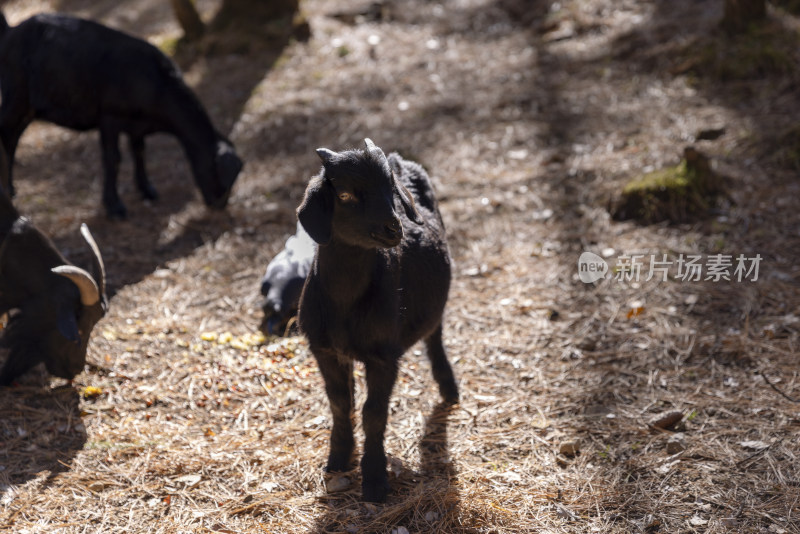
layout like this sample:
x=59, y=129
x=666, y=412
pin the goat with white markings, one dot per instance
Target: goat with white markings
x=82, y=75
x=378, y=284
x=283, y=282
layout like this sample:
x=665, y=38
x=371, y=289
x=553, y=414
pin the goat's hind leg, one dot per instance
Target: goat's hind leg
x=146, y=189
x=442, y=372
x=338, y=378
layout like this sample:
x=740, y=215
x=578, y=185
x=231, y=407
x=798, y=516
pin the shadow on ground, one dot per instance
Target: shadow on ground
x=41, y=431
x=418, y=500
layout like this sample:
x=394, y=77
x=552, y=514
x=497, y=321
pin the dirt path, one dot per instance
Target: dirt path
x=530, y=116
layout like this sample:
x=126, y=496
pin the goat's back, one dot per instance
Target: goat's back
x=26, y=257
x=413, y=176
x=425, y=265
x=72, y=71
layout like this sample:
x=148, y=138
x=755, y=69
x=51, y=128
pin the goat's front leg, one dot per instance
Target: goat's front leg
x=338, y=378
x=15, y=366
x=381, y=376
x=146, y=189
x=109, y=144
x=13, y=121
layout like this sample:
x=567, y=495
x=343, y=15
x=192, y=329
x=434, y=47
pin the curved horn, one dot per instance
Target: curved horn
x=97, y=259
x=90, y=295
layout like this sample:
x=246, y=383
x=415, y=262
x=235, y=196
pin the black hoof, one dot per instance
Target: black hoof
x=115, y=209
x=149, y=193
x=449, y=393
x=339, y=462
x=117, y=213
x=375, y=491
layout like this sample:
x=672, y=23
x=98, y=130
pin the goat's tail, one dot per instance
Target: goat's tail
x=3, y=24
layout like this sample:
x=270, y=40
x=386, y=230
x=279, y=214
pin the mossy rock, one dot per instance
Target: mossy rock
x=677, y=194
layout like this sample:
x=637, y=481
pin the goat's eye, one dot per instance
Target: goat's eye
x=347, y=197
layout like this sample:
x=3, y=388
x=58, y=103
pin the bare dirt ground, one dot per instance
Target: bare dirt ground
x=530, y=116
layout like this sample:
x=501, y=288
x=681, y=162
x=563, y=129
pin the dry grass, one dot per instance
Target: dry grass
x=529, y=117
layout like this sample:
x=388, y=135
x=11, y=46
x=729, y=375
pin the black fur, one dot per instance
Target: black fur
x=82, y=75
x=378, y=284
x=283, y=282
x=47, y=320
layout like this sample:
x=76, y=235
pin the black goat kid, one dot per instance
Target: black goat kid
x=52, y=305
x=283, y=282
x=378, y=284
x=82, y=75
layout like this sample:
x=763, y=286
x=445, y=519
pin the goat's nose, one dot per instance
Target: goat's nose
x=393, y=227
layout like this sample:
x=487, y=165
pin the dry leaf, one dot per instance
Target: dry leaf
x=667, y=420
x=92, y=392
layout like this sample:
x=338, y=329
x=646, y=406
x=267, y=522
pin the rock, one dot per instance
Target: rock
x=676, y=444
x=431, y=516
x=97, y=486
x=570, y=448
x=677, y=194
x=666, y=421
x=337, y=483
x=697, y=521
x=710, y=134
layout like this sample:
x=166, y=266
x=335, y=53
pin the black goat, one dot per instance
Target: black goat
x=82, y=75
x=283, y=282
x=378, y=284
x=52, y=305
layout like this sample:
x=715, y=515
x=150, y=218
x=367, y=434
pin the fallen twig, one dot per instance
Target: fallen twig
x=773, y=386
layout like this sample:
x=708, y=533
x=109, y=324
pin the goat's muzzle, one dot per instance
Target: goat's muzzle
x=390, y=234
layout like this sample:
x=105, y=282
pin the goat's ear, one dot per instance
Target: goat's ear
x=408, y=202
x=227, y=163
x=316, y=211
x=67, y=324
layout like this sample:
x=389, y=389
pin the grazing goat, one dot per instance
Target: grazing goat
x=82, y=75
x=52, y=305
x=284, y=279
x=378, y=284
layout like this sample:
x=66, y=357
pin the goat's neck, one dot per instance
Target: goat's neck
x=197, y=139
x=346, y=271
x=191, y=124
